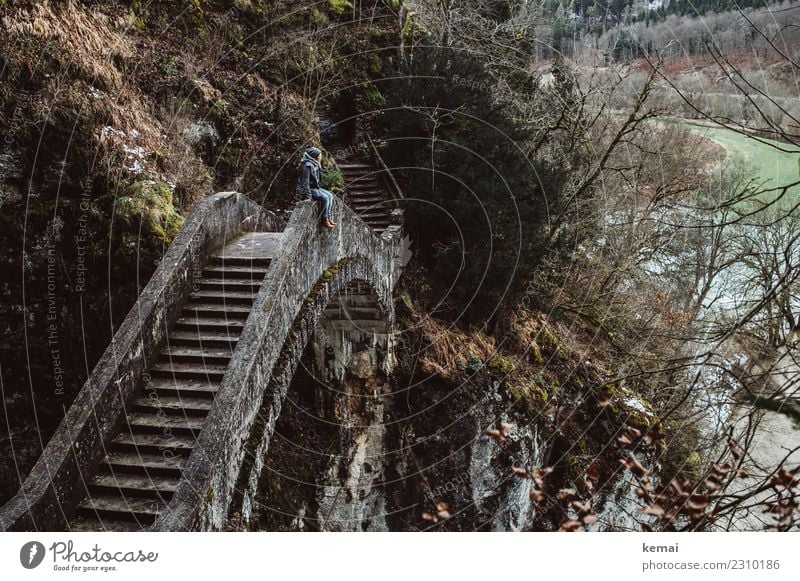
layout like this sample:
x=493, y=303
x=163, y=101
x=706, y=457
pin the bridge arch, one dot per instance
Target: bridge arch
x=344, y=333
x=312, y=269
x=315, y=269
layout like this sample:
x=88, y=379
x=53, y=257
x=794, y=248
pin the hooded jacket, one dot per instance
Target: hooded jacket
x=310, y=176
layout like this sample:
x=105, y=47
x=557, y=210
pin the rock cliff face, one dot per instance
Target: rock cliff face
x=364, y=454
x=116, y=118
x=436, y=448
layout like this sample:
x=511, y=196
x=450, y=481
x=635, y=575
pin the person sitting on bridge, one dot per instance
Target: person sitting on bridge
x=309, y=184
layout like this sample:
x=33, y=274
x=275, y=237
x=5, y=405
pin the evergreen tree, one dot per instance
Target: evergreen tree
x=487, y=195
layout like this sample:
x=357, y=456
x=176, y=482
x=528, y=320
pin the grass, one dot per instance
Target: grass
x=774, y=168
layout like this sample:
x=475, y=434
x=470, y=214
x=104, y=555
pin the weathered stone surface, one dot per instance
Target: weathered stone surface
x=313, y=265
x=55, y=484
x=327, y=465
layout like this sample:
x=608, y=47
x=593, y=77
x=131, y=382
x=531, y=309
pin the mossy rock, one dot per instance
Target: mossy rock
x=500, y=366
x=533, y=397
x=412, y=29
x=317, y=18
x=375, y=65
x=150, y=201
x=683, y=465
x=339, y=7
x=621, y=404
x=375, y=98
x=535, y=354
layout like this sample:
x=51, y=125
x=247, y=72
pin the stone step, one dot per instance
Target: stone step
x=223, y=297
x=373, y=217
x=173, y=405
x=381, y=205
x=90, y=523
x=189, y=370
x=134, y=485
x=354, y=166
x=217, y=310
x=254, y=273
x=167, y=424
x=365, y=195
x=141, y=510
x=217, y=324
x=351, y=177
x=372, y=213
x=228, y=285
x=374, y=326
x=194, y=354
x=371, y=208
x=367, y=198
x=147, y=464
x=365, y=185
x=145, y=443
x=357, y=300
x=239, y=261
x=353, y=313
x=183, y=386
x=362, y=183
x=202, y=340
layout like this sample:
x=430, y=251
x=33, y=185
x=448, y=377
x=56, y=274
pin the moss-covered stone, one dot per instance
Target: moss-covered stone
x=500, y=366
x=338, y=7
x=152, y=203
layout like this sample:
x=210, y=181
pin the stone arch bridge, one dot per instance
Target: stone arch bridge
x=171, y=429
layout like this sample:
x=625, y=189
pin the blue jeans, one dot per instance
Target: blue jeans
x=326, y=198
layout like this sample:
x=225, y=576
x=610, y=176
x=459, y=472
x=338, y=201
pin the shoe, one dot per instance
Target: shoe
x=331, y=221
x=328, y=224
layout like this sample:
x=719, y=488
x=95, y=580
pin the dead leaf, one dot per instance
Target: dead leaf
x=653, y=435
x=566, y=494
x=496, y=435
x=539, y=474
x=736, y=449
x=521, y=472
x=654, y=510
x=784, y=478
x=538, y=496
x=582, y=509
x=632, y=464
x=571, y=526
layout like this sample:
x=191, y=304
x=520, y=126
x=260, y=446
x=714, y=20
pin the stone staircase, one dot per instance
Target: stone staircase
x=365, y=194
x=144, y=461
x=194, y=379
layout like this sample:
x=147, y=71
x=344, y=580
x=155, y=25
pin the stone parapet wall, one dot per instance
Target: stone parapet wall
x=56, y=482
x=312, y=265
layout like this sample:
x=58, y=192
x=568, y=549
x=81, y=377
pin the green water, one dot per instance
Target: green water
x=773, y=167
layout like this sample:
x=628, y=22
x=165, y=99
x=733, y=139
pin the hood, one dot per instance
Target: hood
x=307, y=157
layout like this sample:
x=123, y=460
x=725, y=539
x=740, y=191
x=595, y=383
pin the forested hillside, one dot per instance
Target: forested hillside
x=117, y=117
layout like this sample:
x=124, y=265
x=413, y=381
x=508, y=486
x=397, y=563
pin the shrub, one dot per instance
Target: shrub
x=332, y=179
x=339, y=6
